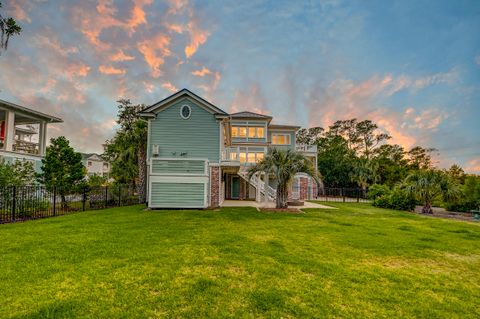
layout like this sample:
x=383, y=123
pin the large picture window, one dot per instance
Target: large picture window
x=281, y=139
x=246, y=131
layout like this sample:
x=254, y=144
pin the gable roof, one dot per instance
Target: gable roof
x=86, y=156
x=155, y=108
x=250, y=115
x=29, y=112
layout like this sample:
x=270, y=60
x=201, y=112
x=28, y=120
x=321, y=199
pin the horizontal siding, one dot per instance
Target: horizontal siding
x=195, y=137
x=178, y=166
x=177, y=195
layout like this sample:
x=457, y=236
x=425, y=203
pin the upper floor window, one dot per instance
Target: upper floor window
x=281, y=139
x=90, y=163
x=253, y=132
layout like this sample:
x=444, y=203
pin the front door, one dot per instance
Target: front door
x=235, y=187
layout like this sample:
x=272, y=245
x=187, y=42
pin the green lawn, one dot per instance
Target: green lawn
x=357, y=261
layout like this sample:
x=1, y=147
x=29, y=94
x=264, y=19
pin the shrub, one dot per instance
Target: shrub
x=396, y=199
x=377, y=190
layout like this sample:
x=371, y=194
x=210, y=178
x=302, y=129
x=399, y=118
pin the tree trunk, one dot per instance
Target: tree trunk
x=278, y=200
x=142, y=175
x=427, y=208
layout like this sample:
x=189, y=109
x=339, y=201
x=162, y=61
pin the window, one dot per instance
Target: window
x=251, y=157
x=233, y=156
x=234, y=131
x=243, y=157
x=242, y=131
x=260, y=132
x=105, y=165
x=281, y=139
x=185, y=112
x=90, y=163
x=260, y=156
x=251, y=132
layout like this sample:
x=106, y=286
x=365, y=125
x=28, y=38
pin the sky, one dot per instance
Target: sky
x=413, y=67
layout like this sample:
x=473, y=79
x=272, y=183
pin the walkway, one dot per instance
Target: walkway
x=251, y=203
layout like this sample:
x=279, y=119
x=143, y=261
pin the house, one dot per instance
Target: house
x=23, y=133
x=198, y=155
x=95, y=164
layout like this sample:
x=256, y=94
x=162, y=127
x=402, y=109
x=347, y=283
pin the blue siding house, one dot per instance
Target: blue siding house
x=198, y=154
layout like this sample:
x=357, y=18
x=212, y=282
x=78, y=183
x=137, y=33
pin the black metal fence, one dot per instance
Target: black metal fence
x=346, y=195
x=19, y=203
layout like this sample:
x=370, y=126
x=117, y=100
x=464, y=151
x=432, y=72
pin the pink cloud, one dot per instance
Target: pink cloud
x=111, y=70
x=473, y=166
x=170, y=87
x=198, y=37
x=120, y=56
x=154, y=52
x=204, y=71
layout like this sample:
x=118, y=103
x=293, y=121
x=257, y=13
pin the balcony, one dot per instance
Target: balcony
x=303, y=148
x=241, y=156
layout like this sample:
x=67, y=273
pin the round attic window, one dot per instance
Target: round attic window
x=185, y=112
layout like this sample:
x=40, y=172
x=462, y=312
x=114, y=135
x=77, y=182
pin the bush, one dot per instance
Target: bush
x=377, y=190
x=396, y=199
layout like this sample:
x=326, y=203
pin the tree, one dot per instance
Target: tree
x=368, y=137
x=420, y=158
x=364, y=173
x=97, y=180
x=8, y=29
x=457, y=173
x=19, y=173
x=309, y=136
x=127, y=149
x=391, y=164
x=335, y=161
x=284, y=165
x=62, y=168
x=427, y=185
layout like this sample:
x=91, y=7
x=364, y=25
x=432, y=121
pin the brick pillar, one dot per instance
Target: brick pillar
x=214, y=186
x=303, y=188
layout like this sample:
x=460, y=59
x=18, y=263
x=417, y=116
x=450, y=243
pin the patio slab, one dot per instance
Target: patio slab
x=251, y=203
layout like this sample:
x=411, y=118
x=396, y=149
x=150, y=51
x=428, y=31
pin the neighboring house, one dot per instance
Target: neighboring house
x=23, y=133
x=198, y=155
x=95, y=164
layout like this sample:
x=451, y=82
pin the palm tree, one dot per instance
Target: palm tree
x=8, y=28
x=283, y=165
x=364, y=173
x=426, y=185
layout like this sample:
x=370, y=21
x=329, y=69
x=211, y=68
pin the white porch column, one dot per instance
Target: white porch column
x=10, y=130
x=265, y=199
x=258, y=193
x=42, y=138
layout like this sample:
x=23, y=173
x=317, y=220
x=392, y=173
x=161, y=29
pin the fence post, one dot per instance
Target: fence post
x=106, y=196
x=54, y=200
x=84, y=200
x=14, y=202
x=343, y=194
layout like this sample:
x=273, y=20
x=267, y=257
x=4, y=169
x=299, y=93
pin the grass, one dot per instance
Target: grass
x=356, y=261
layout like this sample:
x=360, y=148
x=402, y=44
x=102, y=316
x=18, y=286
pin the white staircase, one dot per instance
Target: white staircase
x=256, y=182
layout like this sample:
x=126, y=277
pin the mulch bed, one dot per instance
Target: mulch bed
x=281, y=210
x=450, y=215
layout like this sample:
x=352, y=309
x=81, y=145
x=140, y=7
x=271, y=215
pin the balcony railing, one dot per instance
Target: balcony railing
x=241, y=157
x=26, y=147
x=306, y=148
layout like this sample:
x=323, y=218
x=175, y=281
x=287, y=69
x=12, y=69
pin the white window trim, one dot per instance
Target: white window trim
x=285, y=135
x=189, y=110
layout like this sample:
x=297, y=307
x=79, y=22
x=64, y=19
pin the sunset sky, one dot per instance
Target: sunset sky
x=413, y=67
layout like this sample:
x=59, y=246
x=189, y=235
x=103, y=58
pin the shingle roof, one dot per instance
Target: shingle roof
x=247, y=114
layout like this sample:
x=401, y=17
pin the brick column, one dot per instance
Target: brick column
x=303, y=188
x=214, y=186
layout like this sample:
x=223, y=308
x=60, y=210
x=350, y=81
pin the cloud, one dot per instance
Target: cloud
x=251, y=99
x=170, y=87
x=477, y=59
x=204, y=71
x=111, y=70
x=473, y=166
x=198, y=37
x=17, y=8
x=120, y=56
x=154, y=52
